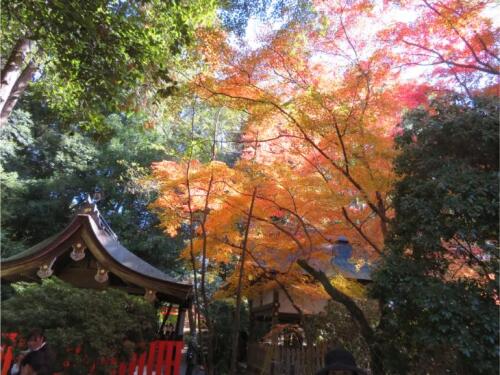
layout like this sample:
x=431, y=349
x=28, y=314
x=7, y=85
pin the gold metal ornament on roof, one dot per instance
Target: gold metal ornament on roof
x=102, y=275
x=45, y=271
x=150, y=295
x=78, y=252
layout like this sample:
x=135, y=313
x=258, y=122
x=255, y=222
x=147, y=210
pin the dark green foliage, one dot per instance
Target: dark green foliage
x=97, y=321
x=432, y=326
x=223, y=315
x=337, y=327
x=449, y=163
x=46, y=168
x=98, y=56
x=439, y=279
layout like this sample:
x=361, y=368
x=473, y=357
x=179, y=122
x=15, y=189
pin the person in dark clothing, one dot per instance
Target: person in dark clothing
x=41, y=359
x=340, y=362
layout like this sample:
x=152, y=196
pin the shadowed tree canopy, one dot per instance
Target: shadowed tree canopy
x=48, y=166
x=96, y=321
x=439, y=277
x=95, y=57
x=47, y=170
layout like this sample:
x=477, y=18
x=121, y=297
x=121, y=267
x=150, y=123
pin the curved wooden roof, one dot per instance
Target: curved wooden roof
x=89, y=233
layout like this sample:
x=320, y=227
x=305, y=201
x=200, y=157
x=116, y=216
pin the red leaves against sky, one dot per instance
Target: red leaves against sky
x=322, y=105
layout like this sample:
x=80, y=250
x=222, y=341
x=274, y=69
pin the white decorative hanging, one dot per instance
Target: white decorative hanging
x=102, y=275
x=45, y=271
x=78, y=252
x=150, y=295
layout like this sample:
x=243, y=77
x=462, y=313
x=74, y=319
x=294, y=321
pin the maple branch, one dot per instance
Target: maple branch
x=318, y=169
x=265, y=273
x=464, y=86
x=312, y=143
x=364, y=73
x=191, y=218
x=204, y=264
x=485, y=47
x=360, y=231
x=238, y=290
x=339, y=135
x=285, y=290
x=342, y=298
x=191, y=245
x=286, y=68
x=265, y=140
x=449, y=62
x=451, y=24
x=381, y=207
x=357, y=227
x=355, y=312
x=290, y=78
x=471, y=254
x=347, y=36
x=214, y=142
x=300, y=219
x=292, y=237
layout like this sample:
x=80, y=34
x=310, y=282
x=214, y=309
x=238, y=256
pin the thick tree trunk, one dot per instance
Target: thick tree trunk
x=191, y=352
x=16, y=92
x=13, y=69
x=236, y=324
x=355, y=312
x=204, y=295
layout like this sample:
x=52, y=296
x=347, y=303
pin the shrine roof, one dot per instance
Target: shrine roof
x=89, y=231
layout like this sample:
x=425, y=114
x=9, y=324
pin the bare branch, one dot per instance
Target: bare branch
x=360, y=231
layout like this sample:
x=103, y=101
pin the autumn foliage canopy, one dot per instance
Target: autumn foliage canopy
x=322, y=105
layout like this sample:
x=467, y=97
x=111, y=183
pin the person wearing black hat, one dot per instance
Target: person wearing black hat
x=340, y=361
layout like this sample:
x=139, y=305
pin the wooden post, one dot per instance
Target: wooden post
x=275, y=309
x=179, y=327
x=165, y=317
x=251, y=328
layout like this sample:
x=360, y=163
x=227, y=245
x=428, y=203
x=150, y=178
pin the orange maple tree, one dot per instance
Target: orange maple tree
x=322, y=107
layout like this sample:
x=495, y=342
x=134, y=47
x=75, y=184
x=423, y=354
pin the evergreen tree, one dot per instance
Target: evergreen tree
x=439, y=277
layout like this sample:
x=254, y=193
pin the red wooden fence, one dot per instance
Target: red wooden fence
x=163, y=356
x=7, y=352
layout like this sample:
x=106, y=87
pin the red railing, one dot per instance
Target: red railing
x=7, y=358
x=163, y=356
x=7, y=352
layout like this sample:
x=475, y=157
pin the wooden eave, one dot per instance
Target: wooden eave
x=103, y=245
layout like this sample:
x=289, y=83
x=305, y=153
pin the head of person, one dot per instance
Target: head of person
x=21, y=342
x=35, y=339
x=340, y=362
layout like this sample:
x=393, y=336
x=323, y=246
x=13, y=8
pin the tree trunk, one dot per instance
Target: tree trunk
x=13, y=69
x=204, y=296
x=236, y=325
x=356, y=313
x=191, y=352
x=17, y=90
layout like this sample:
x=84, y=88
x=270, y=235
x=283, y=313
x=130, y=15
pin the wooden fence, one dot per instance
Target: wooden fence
x=163, y=357
x=267, y=359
